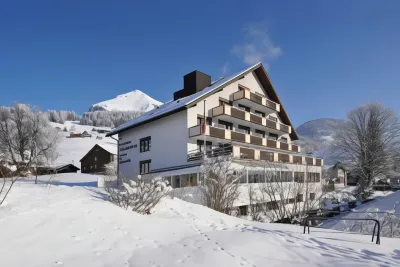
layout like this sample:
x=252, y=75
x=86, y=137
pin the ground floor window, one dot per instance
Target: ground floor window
x=300, y=198
x=312, y=196
x=144, y=166
x=243, y=210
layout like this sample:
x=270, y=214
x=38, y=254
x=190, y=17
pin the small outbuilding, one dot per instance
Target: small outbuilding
x=97, y=157
x=65, y=168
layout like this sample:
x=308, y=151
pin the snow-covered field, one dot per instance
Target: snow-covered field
x=72, y=224
x=71, y=150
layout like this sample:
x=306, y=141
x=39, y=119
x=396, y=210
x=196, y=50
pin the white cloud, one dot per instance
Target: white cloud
x=257, y=46
x=225, y=69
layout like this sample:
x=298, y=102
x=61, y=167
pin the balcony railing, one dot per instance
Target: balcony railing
x=242, y=114
x=220, y=131
x=260, y=100
x=210, y=152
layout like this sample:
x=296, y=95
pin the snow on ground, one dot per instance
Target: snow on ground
x=384, y=202
x=73, y=225
x=71, y=150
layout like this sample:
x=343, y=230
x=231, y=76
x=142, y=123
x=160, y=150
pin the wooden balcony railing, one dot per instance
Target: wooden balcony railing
x=256, y=140
x=246, y=153
x=271, y=124
x=271, y=143
x=284, y=128
x=309, y=161
x=295, y=148
x=217, y=132
x=238, y=95
x=237, y=113
x=297, y=159
x=283, y=157
x=240, y=137
x=255, y=118
x=256, y=98
x=268, y=156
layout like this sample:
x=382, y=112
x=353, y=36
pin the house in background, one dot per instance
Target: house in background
x=241, y=115
x=337, y=176
x=97, y=157
x=66, y=168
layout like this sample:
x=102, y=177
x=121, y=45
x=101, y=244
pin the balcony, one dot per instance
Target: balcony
x=230, y=113
x=246, y=153
x=219, y=132
x=246, y=97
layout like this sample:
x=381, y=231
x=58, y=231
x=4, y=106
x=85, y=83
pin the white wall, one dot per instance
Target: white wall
x=169, y=137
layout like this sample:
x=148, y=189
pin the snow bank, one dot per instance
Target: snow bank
x=73, y=225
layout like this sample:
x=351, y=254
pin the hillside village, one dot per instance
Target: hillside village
x=171, y=134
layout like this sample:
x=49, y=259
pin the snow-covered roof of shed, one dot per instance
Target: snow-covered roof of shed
x=112, y=149
x=181, y=103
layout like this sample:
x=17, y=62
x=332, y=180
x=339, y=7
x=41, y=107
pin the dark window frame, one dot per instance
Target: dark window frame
x=260, y=132
x=259, y=113
x=272, y=135
x=242, y=127
x=246, y=108
x=200, y=145
x=145, y=144
x=142, y=166
x=272, y=118
x=228, y=125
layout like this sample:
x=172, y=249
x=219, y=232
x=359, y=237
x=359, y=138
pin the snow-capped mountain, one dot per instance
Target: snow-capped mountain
x=132, y=101
x=316, y=137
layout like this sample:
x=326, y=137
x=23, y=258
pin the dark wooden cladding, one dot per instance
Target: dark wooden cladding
x=217, y=132
x=268, y=156
x=271, y=143
x=283, y=157
x=255, y=119
x=271, y=124
x=309, y=161
x=284, y=128
x=255, y=140
x=256, y=98
x=238, y=113
x=318, y=162
x=295, y=148
x=297, y=159
x=246, y=153
x=238, y=137
x=284, y=146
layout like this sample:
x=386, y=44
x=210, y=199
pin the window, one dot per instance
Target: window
x=200, y=145
x=95, y=158
x=199, y=120
x=260, y=132
x=243, y=210
x=299, y=177
x=283, y=139
x=272, y=118
x=259, y=113
x=246, y=108
x=145, y=144
x=312, y=196
x=95, y=166
x=300, y=198
x=273, y=136
x=244, y=128
x=227, y=125
x=144, y=166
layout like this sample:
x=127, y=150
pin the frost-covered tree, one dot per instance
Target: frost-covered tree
x=26, y=137
x=220, y=185
x=108, y=118
x=370, y=141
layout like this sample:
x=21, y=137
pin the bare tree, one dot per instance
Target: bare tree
x=140, y=195
x=282, y=196
x=26, y=137
x=220, y=185
x=8, y=180
x=370, y=140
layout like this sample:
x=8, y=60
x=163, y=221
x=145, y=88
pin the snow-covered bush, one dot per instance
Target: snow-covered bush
x=140, y=195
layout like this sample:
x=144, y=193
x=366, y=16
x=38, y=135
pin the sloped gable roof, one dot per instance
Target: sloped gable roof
x=182, y=103
x=102, y=146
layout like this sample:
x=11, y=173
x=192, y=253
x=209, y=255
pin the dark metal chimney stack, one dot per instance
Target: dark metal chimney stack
x=192, y=83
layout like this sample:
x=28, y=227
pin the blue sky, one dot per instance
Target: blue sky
x=323, y=58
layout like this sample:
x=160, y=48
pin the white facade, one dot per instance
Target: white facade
x=172, y=137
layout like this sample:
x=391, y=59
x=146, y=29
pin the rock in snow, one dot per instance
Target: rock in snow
x=132, y=101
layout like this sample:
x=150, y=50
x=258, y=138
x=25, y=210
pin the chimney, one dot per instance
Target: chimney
x=192, y=83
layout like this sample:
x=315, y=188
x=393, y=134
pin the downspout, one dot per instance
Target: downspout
x=117, y=159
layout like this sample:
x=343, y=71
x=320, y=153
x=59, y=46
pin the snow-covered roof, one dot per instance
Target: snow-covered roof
x=181, y=103
x=112, y=149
